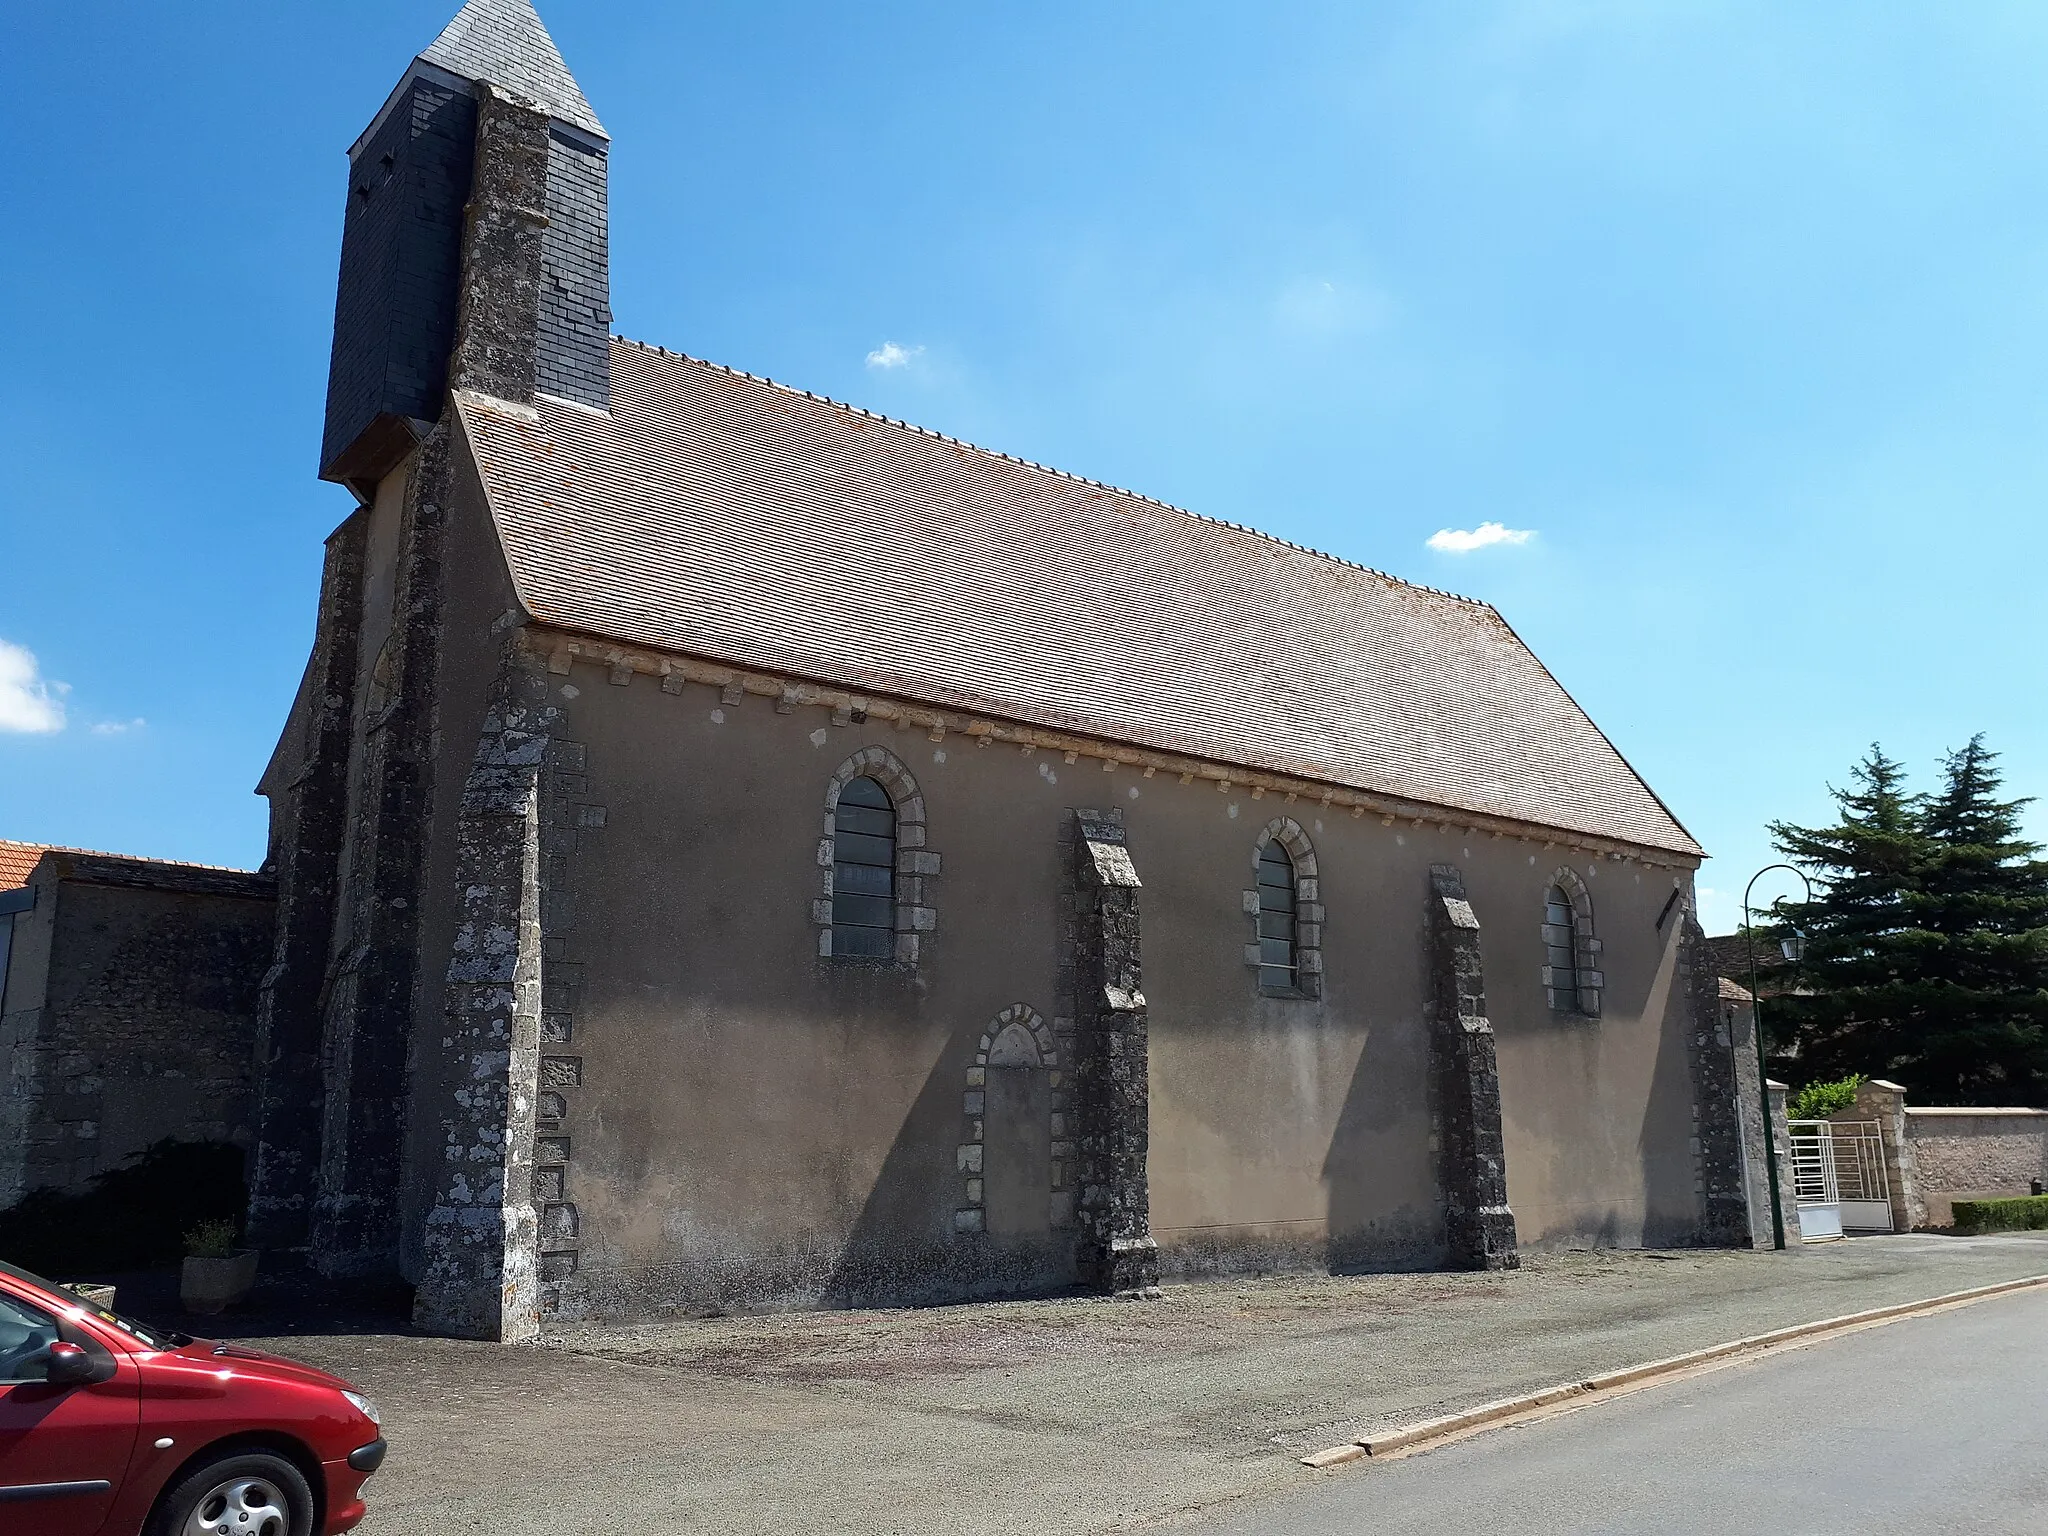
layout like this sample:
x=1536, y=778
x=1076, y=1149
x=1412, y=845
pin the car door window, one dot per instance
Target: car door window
x=26, y=1335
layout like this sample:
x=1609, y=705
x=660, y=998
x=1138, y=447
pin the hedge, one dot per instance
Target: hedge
x=2023, y=1213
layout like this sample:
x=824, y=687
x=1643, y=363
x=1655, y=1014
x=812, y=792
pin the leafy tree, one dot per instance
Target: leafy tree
x=1823, y=1101
x=1926, y=954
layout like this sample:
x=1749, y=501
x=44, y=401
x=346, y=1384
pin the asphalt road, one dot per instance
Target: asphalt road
x=1932, y=1424
x=1058, y=1417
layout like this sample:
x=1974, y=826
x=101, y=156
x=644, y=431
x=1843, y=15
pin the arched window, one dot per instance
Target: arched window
x=1277, y=928
x=1561, y=949
x=1571, y=954
x=877, y=871
x=1286, y=911
x=864, y=871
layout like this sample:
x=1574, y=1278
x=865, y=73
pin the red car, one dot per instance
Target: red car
x=109, y=1427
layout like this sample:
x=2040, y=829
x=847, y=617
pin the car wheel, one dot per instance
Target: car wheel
x=253, y=1493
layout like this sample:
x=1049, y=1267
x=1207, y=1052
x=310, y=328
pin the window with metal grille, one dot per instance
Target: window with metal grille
x=864, y=872
x=1276, y=920
x=1561, y=949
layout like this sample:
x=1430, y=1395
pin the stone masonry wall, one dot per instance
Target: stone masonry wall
x=1963, y=1154
x=143, y=1022
x=482, y=1272
x=309, y=815
x=1722, y=1076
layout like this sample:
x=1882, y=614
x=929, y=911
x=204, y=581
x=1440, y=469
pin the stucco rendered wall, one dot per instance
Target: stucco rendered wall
x=1285, y=1131
x=1597, y=1111
x=756, y=1124
x=753, y=1125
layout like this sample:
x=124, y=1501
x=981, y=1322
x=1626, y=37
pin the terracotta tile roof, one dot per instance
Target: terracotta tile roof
x=720, y=515
x=16, y=860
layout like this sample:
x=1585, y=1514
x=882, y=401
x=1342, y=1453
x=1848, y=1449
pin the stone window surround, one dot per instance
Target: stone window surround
x=972, y=1216
x=1585, y=948
x=1309, y=913
x=916, y=865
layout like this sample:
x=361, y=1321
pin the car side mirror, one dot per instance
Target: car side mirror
x=69, y=1365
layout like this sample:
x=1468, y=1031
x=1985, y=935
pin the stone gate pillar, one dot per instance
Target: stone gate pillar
x=1112, y=1091
x=1472, y=1154
x=1885, y=1103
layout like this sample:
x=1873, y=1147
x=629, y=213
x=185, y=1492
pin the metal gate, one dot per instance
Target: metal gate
x=1838, y=1176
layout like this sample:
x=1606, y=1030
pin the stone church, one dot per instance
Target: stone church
x=733, y=849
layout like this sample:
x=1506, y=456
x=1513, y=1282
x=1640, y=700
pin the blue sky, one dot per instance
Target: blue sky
x=1738, y=311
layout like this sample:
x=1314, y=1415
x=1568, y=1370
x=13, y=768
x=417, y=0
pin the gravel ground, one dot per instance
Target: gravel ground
x=1060, y=1415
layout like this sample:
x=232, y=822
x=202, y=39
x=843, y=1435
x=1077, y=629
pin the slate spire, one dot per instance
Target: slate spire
x=505, y=42
x=412, y=174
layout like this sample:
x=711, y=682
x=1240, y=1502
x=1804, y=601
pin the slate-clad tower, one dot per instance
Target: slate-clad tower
x=410, y=179
x=473, y=257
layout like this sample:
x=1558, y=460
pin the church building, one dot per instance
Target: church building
x=736, y=850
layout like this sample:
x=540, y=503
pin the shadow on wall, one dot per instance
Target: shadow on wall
x=1369, y=1229
x=963, y=1205
x=128, y=1217
x=1632, y=1065
x=1673, y=1215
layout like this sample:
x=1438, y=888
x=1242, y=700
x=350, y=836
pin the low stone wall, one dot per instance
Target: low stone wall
x=1971, y=1154
x=128, y=1015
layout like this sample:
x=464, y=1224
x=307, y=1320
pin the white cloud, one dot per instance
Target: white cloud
x=118, y=727
x=892, y=354
x=1462, y=541
x=27, y=702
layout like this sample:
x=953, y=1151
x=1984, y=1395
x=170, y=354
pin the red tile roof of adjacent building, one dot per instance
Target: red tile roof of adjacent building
x=16, y=860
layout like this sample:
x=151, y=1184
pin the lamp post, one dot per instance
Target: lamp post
x=1794, y=948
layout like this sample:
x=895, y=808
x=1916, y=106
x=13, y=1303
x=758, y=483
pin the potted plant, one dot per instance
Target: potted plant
x=218, y=1271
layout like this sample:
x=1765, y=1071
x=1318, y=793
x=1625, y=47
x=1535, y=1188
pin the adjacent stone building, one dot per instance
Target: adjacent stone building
x=733, y=849
x=127, y=1009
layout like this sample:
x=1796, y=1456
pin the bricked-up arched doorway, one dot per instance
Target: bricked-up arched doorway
x=1013, y=1157
x=1017, y=1143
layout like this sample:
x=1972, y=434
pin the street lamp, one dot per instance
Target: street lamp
x=1794, y=947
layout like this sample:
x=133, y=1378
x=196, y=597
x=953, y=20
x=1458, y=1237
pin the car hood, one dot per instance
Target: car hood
x=255, y=1362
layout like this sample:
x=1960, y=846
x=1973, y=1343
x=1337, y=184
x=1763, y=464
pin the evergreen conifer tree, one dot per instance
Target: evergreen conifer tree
x=1851, y=1009
x=1980, y=992
x=1926, y=954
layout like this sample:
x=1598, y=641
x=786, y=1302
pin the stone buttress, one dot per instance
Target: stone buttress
x=1472, y=1156
x=1111, y=1073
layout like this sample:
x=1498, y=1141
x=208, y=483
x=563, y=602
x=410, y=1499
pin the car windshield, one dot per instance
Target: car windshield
x=149, y=1336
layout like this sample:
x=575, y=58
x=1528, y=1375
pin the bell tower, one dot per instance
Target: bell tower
x=473, y=258
x=411, y=285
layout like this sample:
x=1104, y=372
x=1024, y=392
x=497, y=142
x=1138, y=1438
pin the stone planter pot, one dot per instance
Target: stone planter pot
x=97, y=1295
x=207, y=1286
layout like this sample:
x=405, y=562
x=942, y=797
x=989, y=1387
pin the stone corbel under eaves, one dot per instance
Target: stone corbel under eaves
x=675, y=671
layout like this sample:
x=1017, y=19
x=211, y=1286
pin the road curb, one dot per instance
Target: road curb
x=1408, y=1436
